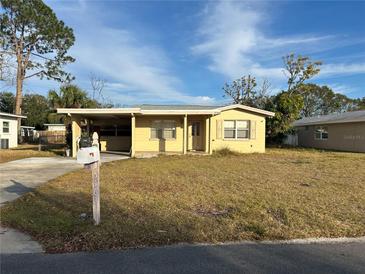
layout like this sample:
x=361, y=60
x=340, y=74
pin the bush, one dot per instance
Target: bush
x=226, y=151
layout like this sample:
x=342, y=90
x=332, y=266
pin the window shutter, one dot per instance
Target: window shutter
x=252, y=129
x=219, y=129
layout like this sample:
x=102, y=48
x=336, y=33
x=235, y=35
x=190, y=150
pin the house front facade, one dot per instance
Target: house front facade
x=177, y=129
x=342, y=131
x=9, y=130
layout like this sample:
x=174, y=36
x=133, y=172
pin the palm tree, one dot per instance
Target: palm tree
x=70, y=96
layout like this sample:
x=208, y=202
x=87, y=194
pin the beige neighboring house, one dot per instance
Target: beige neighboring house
x=177, y=129
x=9, y=130
x=55, y=127
x=342, y=131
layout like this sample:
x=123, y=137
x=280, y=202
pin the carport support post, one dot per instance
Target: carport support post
x=133, y=129
x=185, y=139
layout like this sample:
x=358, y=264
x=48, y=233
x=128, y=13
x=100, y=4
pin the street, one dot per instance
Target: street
x=231, y=258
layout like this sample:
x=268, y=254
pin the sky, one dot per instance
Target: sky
x=182, y=52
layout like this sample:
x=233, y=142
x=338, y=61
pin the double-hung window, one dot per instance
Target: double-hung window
x=5, y=127
x=321, y=133
x=236, y=129
x=163, y=129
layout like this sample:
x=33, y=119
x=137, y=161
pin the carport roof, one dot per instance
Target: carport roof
x=335, y=118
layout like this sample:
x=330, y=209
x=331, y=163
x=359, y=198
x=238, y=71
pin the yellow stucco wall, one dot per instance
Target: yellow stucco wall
x=142, y=142
x=76, y=133
x=243, y=146
x=142, y=135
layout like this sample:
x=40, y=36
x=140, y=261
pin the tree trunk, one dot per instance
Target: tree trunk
x=19, y=90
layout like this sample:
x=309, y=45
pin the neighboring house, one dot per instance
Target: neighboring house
x=55, y=127
x=342, y=131
x=27, y=134
x=153, y=129
x=9, y=130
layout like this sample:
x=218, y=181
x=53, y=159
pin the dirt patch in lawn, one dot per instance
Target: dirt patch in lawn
x=282, y=194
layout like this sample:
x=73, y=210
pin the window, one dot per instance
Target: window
x=5, y=127
x=321, y=133
x=236, y=129
x=163, y=129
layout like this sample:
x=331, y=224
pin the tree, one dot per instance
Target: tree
x=97, y=85
x=36, y=108
x=360, y=104
x=70, y=96
x=245, y=91
x=7, y=101
x=287, y=109
x=288, y=104
x=321, y=100
x=298, y=69
x=31, y=32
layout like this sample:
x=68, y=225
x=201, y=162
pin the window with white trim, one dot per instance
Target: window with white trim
x=5, y=127
x=321, y=133
x=236, y=129
x=163, y=129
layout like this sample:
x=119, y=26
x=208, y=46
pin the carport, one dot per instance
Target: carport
x=114, y=127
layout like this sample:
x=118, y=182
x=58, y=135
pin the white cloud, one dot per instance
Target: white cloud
x=335, y=69
x=136, y=70
x=231, y=35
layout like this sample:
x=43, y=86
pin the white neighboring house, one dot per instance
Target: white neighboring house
x=9, y=130
x=55, y=127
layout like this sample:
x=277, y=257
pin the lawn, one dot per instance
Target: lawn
x=26, y=151
x=282, y=194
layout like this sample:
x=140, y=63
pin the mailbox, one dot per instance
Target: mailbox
x=88, y=155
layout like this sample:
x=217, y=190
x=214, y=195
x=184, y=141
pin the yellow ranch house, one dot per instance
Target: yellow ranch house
x=174, y=129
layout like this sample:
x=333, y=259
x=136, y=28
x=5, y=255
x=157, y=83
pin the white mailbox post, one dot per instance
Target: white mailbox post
x=90, y=157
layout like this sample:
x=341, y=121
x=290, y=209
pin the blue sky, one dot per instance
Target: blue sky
x=183, y=52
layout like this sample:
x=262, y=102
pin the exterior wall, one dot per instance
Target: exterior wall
x=142, y=135
x=12, y=136
x=76, y=133
x=254, y=144
x=56, y=128
x=345, y=137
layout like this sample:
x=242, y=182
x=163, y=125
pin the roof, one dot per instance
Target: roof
x=334, y=118
x=27, y=127
x=12, y=115
x=164, y=110
x=175, y=107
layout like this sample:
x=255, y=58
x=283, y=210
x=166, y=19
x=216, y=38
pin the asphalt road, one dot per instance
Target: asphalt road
x=235, y=258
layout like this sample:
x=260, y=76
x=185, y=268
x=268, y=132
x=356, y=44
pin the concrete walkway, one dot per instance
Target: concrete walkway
x=22, y=176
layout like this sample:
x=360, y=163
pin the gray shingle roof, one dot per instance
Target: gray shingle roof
x=176, y=107
x=335, y=118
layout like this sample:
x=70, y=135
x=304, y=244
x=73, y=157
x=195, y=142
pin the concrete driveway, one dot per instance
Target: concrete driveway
x=22, y=176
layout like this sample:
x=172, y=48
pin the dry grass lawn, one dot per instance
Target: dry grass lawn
x=26, y=151
x=283, y=194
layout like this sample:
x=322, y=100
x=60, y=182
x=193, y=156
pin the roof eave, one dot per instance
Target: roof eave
x=12, y=115
x=326, y=123
x=251, y=109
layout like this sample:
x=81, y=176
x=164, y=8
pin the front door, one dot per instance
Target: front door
x=196, y=136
